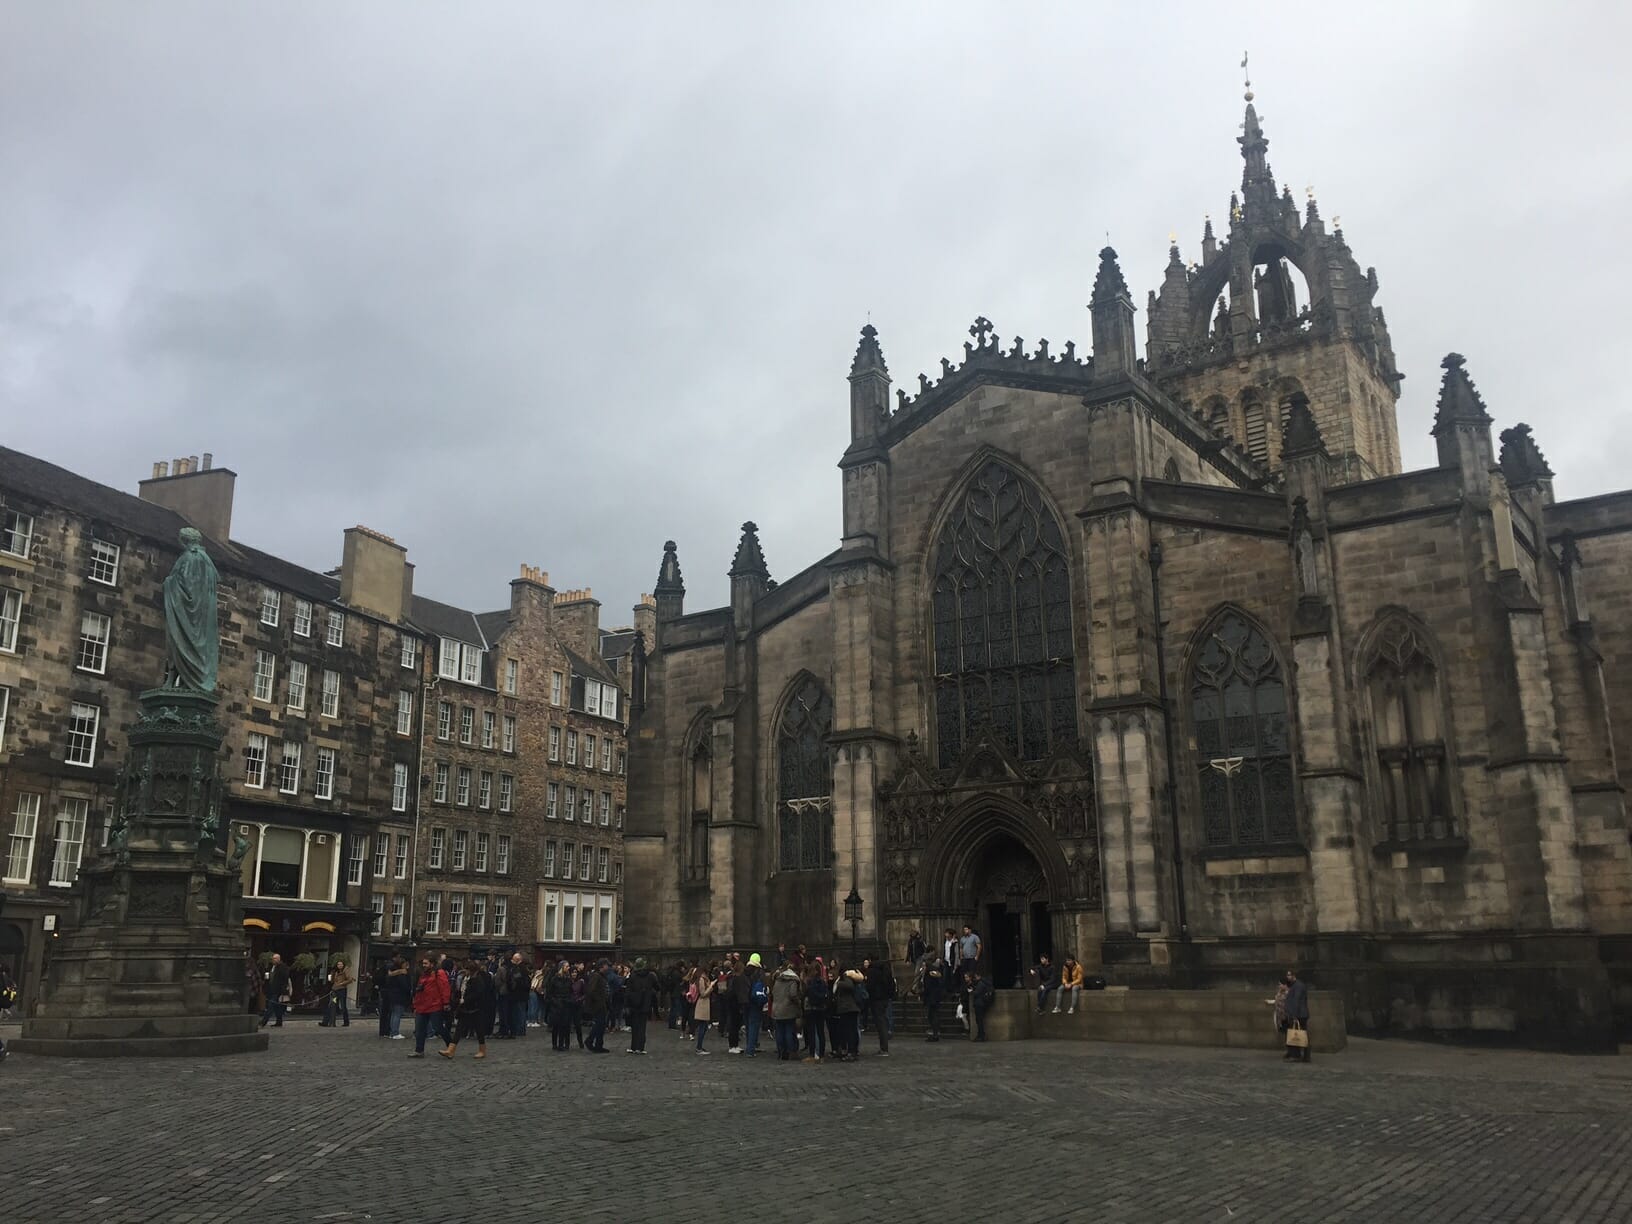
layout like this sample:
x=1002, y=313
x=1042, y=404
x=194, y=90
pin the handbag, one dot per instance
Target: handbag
x=1297, y=1037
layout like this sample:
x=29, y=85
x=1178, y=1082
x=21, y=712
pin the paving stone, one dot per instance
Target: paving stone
x=338, y=1125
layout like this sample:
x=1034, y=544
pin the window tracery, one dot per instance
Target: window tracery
x=1001, y=603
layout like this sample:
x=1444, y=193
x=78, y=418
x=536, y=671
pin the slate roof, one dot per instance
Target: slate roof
x=493, y=624
x=445, y=620
x=616, y=643
x=47, y=482
x=594, y=671
x=42, y=481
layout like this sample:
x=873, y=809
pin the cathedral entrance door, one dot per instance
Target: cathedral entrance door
x=1012, y=907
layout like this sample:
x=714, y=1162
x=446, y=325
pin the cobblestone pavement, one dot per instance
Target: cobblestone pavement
x=339, y=1125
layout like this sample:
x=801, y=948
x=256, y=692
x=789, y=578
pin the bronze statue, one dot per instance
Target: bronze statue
x=192, y=635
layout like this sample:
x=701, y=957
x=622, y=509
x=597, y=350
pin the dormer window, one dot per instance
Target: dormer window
x=459, y=661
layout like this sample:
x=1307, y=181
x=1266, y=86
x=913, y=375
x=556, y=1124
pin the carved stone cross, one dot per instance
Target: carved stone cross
x=980, y=329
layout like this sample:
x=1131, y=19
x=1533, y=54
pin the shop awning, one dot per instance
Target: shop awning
x=259, y=924
x=319, y=926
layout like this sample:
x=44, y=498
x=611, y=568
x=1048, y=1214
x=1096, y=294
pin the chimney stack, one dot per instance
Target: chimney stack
x=373, y=574
x=208, y=459
x=202, y=496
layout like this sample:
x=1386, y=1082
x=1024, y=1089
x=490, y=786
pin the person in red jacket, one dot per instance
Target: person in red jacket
x=432, y=994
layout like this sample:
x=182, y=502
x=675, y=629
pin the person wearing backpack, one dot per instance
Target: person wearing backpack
x=758, y=995
x=535, y=998
x=849, y=991
x=786, y=1005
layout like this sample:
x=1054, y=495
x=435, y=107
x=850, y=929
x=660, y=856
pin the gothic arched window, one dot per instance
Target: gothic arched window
x=1408, y=737
x=1255, y=424
x=1243, y=746
x=804, y=781
x=1002, y=632
x=702, y=803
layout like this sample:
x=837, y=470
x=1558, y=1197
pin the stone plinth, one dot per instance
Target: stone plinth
x=155, y=965
x=1234, y=1018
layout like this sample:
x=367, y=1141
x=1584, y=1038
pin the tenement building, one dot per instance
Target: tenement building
x=319, y=677
x=1166, y=663
x=524, y=760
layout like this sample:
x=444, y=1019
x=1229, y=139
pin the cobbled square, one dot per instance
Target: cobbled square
x=339, y=1125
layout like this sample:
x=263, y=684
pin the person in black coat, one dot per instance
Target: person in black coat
x=916, y=947
x=597, y=1004
x=639, y=1001
x=477, y=1001
x=277, y=992
x=1297, y=1011
x=933, y=989
x=880, y=994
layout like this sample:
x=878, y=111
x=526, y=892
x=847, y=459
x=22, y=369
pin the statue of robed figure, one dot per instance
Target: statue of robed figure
x=192, y=637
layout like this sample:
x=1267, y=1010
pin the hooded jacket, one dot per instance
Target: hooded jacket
x=640, y=992
x=786, y=996
x=598, y=994
x=844, y=994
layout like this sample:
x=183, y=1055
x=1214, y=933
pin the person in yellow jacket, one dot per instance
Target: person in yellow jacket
x=1070, y=985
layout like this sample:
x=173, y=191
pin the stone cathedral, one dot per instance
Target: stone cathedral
x=1163, y=661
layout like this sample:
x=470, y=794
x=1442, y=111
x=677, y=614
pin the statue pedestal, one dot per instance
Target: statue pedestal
x=155, y=965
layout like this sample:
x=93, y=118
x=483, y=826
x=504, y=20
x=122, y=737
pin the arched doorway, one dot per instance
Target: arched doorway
x=1011, y=900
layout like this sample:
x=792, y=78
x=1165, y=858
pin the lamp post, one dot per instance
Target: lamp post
x=852, y=915
x=1017, y=906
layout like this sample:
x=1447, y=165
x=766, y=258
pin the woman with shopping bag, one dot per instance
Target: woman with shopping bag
x=1293, y=1012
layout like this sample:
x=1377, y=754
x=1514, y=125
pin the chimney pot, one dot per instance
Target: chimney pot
x=208, y=460
x=192, y=463
x=160, y=469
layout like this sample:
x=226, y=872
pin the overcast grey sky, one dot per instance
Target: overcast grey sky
x=551, y=283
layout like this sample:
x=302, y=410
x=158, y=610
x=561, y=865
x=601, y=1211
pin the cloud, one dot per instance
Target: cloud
x=533, y=283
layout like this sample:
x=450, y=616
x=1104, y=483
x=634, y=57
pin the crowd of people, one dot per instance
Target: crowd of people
x=800, y=1006
x=812, y=1008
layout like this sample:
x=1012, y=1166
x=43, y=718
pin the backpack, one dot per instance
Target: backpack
x=760, y=995
x=691, y=993
x=861, y=994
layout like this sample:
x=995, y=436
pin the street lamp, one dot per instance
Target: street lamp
x=852, y=915
x=1017, y=906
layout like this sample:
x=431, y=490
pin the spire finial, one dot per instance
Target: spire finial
x=1246, y=77
x=1459, y=400
x=750, y=560
x=669, y=581
x=1109, y=283
x=869, y=357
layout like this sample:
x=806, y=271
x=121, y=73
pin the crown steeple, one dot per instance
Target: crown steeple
x=1274, y=280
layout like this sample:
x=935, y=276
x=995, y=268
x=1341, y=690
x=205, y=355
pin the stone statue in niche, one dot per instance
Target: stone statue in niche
x=1303, y=552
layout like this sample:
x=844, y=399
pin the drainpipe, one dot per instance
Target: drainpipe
x=1167, y=732
x=426, y=690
